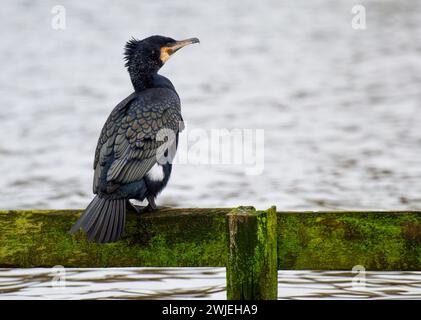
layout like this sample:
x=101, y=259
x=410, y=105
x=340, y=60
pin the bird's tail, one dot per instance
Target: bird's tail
x=103, y=220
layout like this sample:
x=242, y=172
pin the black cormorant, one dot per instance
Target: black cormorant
x=130, y=146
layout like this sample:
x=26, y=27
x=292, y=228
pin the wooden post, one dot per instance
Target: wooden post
x=252, y=254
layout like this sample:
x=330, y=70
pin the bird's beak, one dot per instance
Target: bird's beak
x=182, y=43
x=169, y=49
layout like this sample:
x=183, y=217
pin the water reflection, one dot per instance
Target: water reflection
x=198, y=283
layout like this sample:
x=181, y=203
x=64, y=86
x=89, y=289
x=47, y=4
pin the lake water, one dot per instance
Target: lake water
x=197, y=283
x=340, y=109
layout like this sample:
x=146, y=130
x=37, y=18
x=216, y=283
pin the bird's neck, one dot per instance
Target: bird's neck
x=144, y=82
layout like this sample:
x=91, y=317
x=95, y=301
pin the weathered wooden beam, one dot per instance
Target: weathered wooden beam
x=170, y=237
x=197, y=237
x=252, y=266
x=377, y=240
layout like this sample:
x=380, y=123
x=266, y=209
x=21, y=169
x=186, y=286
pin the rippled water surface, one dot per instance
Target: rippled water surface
x=198, y=283
x=340, y=109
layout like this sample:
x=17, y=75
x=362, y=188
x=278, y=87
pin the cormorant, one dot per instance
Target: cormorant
x=135, y=140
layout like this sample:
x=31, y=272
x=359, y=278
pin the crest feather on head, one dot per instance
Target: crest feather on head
x=130, y=49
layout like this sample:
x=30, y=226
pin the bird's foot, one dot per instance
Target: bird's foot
x=132, y=207
x=151, y=205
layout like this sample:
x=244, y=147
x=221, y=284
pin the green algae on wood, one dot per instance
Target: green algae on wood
x=341, y=240
x=168, y=238
x=196, y=237
x=252, y=254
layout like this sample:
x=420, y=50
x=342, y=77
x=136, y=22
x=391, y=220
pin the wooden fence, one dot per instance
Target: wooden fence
x=251, y=244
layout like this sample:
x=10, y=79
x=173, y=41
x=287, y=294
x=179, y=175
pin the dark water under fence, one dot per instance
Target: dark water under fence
x=197, y=283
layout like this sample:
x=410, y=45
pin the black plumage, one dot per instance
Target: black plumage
x=140, y=133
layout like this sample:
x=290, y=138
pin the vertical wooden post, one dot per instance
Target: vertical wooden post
x=252, y=266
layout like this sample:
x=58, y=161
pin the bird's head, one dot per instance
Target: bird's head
x=147, y=56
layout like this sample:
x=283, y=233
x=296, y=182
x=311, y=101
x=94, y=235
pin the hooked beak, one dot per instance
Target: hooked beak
x=169, y=49
x=182, y=43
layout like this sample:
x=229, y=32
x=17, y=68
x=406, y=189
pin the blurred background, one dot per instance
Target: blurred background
x=341, y=108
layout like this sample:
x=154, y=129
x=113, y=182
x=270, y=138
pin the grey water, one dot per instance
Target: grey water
x=340, y=109
x=197, y=283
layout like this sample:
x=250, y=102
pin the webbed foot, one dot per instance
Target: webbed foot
x=151, y=205
x=133, y=208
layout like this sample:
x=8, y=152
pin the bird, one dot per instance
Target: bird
x=136, y=146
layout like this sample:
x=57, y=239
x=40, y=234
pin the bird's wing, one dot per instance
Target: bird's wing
x=106, y=139
x=110, y=128
x=133, y=146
